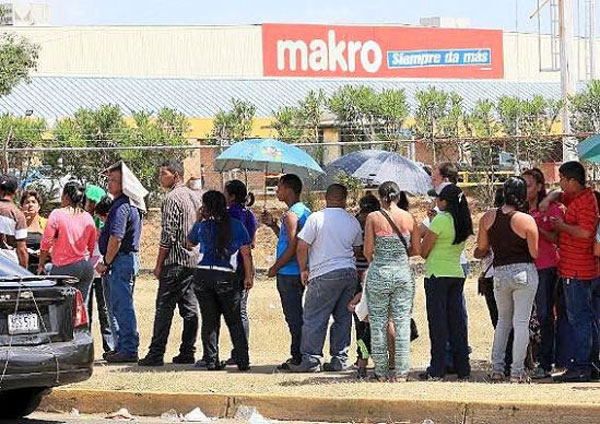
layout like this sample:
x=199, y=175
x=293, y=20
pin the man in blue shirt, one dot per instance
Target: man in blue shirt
x=119, y=243
x=286, y=267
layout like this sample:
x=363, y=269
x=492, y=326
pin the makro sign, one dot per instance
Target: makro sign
x=380, y=52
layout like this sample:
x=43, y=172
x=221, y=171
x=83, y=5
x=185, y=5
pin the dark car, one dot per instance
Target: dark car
x=45, y=339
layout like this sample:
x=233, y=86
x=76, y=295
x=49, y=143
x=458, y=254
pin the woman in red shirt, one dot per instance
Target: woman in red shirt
x=546, y=264
x=71, y=234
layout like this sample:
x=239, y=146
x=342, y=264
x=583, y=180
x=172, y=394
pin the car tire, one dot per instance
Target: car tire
x=20, y=403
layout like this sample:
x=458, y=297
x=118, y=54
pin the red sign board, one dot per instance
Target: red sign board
x=381, y=52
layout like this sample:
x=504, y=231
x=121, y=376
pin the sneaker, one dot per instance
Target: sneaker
x=183, y=359
x=286, y=365
x=230, y=362
x=425, y=376
x=105, y=355
x=464, y=378
x=540, y=373
x=305, y=367
x=334, y=366
x=151, y=361
x=122, y=358
x=243, y=367
x=572, y=376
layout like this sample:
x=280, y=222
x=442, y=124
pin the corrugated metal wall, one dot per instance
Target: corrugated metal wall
x=213, y=51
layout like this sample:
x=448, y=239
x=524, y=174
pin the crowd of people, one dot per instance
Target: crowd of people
x=539, y=259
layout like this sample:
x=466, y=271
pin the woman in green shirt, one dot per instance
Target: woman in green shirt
x=441, y=248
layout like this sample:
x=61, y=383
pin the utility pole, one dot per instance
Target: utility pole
x=568, y=76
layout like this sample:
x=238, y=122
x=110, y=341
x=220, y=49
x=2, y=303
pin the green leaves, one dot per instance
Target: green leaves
x=107, y=126
x=234, y=124
x=18, y=57
x=585, y=108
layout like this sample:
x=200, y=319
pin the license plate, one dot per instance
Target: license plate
x=23, y=324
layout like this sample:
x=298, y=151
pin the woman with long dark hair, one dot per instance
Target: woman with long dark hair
x=391, y=238
x=512, y=234
x=546, y=264
x=220, y=238
x=441, y=248
x=239, y=200
x=71, y=233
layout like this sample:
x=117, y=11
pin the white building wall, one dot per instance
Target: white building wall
x=217, y=51
x=152, y=51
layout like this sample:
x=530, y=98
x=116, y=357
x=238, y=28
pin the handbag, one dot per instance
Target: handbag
x=485, y=284
x=414, y=331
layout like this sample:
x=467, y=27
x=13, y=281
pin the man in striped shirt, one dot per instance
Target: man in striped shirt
x=174, y=268
x=578, y=267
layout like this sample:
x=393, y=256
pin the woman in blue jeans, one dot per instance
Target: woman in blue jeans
x=512, y=234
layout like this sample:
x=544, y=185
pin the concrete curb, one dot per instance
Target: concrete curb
x=322, y=409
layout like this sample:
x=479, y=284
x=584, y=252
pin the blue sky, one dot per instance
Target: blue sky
x=483, y=13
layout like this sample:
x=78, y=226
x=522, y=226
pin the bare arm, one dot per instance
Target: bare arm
x=302, y=256
x=114, y=244
x=160, y=260
x=22, y=253
x=553, y=196
x=415, y=239
x=483, y=238
x=368, y=246
x=248, y=267
x=574, y=230
x=291, y=222
x=428, y=243
x=532, y=237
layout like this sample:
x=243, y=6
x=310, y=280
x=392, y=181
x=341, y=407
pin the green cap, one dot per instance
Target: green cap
x=94, y=193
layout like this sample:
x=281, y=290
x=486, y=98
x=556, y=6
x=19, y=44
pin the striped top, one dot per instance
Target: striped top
x=576, y=255
x=13, y=225
x=179, y=211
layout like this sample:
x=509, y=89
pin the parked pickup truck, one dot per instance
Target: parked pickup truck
x=45, y=339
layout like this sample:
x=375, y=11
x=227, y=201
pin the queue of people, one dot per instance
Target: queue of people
x=539, y=253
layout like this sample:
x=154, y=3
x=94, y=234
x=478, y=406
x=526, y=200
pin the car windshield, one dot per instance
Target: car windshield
x=10, y=269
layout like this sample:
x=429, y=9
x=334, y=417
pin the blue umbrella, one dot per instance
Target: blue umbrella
x=379, y=166
x=268, y=155
x=590, y=148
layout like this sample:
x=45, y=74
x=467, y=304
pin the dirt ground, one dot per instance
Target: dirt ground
x=269, y=346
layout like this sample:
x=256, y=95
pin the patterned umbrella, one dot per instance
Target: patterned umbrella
x=268, y=155
x=378, y=166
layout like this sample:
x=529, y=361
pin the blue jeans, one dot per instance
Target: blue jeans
x=121, y=282
x=579, y=301
x=544, y=305
x=328, y=295
x=291, y=290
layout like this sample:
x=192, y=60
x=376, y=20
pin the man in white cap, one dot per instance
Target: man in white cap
x=119, y=244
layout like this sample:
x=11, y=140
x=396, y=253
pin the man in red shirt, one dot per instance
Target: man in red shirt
x=578, y=267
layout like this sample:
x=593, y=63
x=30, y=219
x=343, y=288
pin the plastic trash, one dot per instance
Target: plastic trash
x=250, y=414
x=74, y=412
x=171, y=416
x=121, y=414
x=428, y=421
x=196, y=416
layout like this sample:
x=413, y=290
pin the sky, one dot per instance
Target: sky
x=509, y=15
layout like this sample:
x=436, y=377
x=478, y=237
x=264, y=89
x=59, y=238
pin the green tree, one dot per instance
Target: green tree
x=108, y=127
x=585, y=108
x=20, y=132
x=234, y=124
x=430, y=116
x=18, y=57
x=287, y=124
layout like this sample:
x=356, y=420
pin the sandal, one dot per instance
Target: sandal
x=497, y=377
